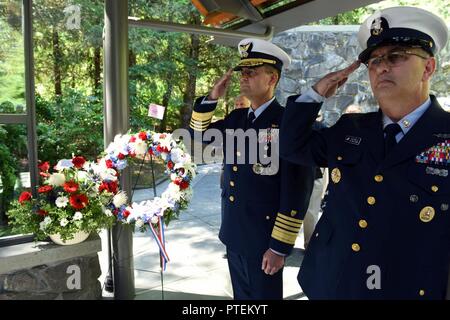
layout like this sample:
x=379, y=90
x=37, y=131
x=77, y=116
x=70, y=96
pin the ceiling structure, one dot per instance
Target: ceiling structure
x=260, y=16
x=228, y=21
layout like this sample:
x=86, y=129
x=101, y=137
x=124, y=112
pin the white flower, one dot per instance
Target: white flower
x=120, y=199
x=108, y=212
x=82, y=175
x=78, y=216
x=119, y=145
x=139, y=147
x=139, y=223
x=57, y=179
x=42, y=225
x=61, y=202
x=64, y=164
x=64, y=222
x=172, y=193
x=179, y=156
x=154, y=219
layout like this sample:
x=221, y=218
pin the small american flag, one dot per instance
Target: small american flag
x=156, y=111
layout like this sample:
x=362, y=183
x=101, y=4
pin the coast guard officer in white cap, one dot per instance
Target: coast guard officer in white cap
x=385, y=231
x=263, y=208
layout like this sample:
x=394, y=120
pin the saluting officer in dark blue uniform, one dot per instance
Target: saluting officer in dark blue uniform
x=385, y=230
x=264, y=203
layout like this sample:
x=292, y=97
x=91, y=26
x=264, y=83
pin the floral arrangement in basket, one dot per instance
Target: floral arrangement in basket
x=70, y=199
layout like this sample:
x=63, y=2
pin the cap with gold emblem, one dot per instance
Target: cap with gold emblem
x=406, y=26
x=256, y=52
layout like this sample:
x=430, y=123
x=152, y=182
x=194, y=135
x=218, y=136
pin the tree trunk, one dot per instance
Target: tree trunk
x=189, y=93
x=97, y=68
x=57, y=57
x=165, y=103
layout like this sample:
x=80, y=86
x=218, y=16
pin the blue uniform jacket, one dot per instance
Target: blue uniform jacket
x=260, y=211
x=385, y=229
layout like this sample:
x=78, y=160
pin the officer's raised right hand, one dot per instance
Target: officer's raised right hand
x=328, y=85
x=221, y=86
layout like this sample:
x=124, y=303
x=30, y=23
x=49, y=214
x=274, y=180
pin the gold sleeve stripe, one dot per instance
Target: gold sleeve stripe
x=296, y=229
x=200, y=124
x=285, y=217
x=197, y=128
x=202, y=116
x=287, y=233
x=288, y=223
x=282, y=237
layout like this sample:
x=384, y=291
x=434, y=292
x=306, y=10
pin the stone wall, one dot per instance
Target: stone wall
x=317, y=50
x=45, y=271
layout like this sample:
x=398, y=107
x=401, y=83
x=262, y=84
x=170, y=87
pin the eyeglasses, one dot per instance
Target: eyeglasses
x=249, y=73
x=392, y=59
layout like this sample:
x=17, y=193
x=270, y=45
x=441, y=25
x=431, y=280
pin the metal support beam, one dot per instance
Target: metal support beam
x=29, y=94
x=189, y=28
x=116, y=121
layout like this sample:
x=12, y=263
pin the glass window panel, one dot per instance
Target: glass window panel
x=12, y=67
x=68, y=76
x=14, y=169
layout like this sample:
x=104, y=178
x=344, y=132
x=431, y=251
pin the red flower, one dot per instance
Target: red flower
x=44, y=166
x=132, y=154
x=126, y=213
x=181, y=171
x=162, y=149
x=42, y=213
x=182, y=183
x=110, y=186
x=170, y=165
x=44, y=174
x=143, y=135
x=24, y=196
x=109, y=164
x=45, y=189
x=78, y=162
x=121, y=156
x=71, y=186
x=78, y=201
x=133, y=139
x=150, y=151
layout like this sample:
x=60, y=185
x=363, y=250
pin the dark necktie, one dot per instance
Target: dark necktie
x=250, y=118
x=391, y=131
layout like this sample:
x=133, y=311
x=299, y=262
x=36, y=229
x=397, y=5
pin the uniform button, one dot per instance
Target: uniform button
x=231, y=198
x=339, y=158
x=421, y=292
x=434, y=188
x=317, y=234
x=232, y=183
x=371, y=200
x=267, y=217
x=238, y=153
x=235, y=168
x=362, y=223
x=378, y=178
x=356, y=247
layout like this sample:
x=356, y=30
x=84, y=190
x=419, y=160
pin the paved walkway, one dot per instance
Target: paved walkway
x=197, y=269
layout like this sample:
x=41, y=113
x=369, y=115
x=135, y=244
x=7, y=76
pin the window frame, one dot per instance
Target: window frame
x=29, y=118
